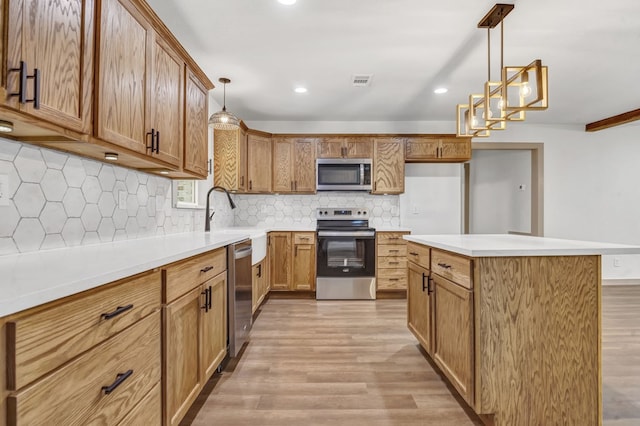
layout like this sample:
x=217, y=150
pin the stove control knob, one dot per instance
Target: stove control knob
x=326, y=212
x=359, y=213
x=364, y=212
x=320, y=213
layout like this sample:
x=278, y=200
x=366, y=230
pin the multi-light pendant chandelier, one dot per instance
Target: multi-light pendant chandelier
x=520, y=89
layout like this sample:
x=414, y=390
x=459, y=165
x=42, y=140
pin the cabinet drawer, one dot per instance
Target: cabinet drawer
x=395, y=283
x=44, y=339
x=187, y=274
x=392, y=262
x=392, y=273
x=418, y=254
x=392, y=250
x=304, y=238
x=454, y=268
x=390, y=238
x=76, y=393
x=148, y=411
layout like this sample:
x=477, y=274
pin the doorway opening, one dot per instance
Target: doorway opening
x=494, y=194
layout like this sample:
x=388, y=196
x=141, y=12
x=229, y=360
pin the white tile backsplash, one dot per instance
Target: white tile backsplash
x=61, y=200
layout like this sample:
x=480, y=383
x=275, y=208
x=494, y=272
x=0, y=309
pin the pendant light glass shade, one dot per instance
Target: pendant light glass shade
x=224, y=120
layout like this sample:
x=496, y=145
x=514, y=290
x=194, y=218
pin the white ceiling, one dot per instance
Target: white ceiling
x=592, y=49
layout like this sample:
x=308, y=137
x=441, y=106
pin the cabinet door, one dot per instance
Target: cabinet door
x=419, y=305
x=422, y=149
x=458, y=149
x=280, y=255
x=304, y=179
x=214, y=325
x=331, y=148
x=361, y=147
x=195, y=132
x=123, y=68
x=453, y=334
x=304, y=267
x=167, y=104
x=227, y=158
x=259, y=163
x=182, y=378
x=283, y=179
x=57, y=39
x=388, y=166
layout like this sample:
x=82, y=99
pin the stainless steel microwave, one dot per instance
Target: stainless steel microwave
x=343, y=174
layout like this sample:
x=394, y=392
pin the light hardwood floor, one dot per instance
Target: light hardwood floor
x=355, y=363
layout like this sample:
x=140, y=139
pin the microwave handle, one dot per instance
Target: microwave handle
x=361, y=174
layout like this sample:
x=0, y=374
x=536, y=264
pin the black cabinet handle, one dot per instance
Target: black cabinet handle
x=206, y=269
x=22, y=82
x=119, y=310
x=153, y=140
x=260, y=270
x=393, y=263
x=157, y=142
x=413, y=254
x=429, y=288
x=120, y=377
x=250, y=185
x=444, y=265
x=394, y=279
x=205, y=293
x=423, y=286
x=209, y=291
x=36, y=88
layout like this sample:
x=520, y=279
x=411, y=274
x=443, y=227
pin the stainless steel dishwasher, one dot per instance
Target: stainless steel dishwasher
x=239, y=295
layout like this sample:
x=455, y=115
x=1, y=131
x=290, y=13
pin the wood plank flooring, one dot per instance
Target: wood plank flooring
x=355, y=363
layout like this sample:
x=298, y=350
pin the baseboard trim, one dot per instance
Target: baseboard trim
x=621, y=281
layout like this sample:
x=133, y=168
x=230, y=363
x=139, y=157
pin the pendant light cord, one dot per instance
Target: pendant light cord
x=224, y=96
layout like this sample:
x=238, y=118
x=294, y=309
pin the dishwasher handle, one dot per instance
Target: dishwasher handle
x=243, y=252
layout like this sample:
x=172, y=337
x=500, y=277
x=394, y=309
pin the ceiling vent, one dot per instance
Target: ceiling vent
x=362, y=80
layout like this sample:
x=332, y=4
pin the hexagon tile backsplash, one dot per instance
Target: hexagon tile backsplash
x=57, y=200
x=301, y=209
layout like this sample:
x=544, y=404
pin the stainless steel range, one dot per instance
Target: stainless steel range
x=346, y=262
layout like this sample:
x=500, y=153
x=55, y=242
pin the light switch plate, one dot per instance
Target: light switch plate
x=4, y=190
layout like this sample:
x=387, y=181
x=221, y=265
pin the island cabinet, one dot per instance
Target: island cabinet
x=294, y=165
x=435, y=148
x=195, y=329
x=345, y=147
x=517, y=336
x=388, y=166
x=293, y=260
x=103, y=343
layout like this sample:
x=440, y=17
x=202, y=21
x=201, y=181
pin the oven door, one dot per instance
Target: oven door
x=343, y=253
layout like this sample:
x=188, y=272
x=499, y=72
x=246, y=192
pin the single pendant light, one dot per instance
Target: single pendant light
x=223, y=120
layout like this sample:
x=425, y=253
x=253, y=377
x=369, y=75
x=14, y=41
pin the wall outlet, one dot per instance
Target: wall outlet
x=617, y=262
x=4, y=190
x=122, y=200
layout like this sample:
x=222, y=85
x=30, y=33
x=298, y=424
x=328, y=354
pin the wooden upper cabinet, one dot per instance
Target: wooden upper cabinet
x=167, y=103
x=388, y=166
x=125, y=41
x=294, y=165
x=424, y=149
x=57, y=38
x=259, y=163
x=195, y=127
x=359, y=147
x=345, y=147
x=230, y=159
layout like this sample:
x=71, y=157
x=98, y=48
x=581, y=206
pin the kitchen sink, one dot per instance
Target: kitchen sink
x=258, y=240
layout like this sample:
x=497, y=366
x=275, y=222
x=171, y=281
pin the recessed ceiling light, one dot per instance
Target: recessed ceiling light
x=287, y=2
x=300, y=90
x=441, y=90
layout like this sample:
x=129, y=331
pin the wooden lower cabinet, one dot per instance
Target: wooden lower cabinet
x=292, y=261
x=453, y=334
x=214, y=326
x=100, y=386
x=391, y=261
x=419, y=308
x=260, y=283
x=148, y=411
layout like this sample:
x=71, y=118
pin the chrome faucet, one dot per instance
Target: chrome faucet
x=207, y=219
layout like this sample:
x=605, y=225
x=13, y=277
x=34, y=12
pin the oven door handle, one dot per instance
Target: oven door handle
x=369, y=234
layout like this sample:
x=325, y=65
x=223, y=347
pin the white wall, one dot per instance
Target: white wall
x=431, y=203
x=499, y=191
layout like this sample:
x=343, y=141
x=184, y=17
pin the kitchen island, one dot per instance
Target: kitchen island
x=513, y=322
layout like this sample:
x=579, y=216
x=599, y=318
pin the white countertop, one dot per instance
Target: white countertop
x=480, y=245
x=391, y=229
x=31, y=279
